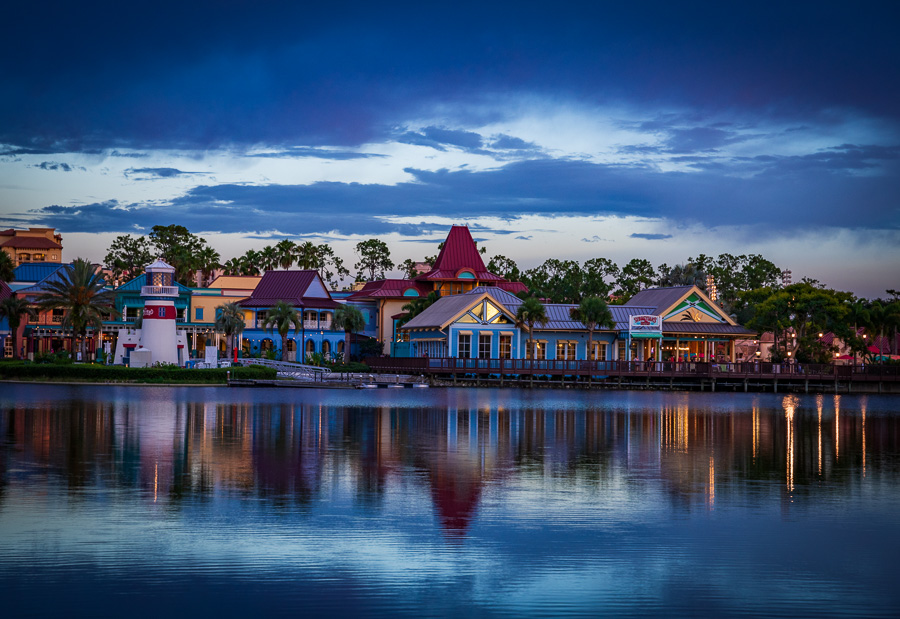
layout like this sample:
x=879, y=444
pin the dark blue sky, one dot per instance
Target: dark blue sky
x=654, y=127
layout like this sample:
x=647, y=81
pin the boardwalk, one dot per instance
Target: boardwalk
x=753, y=376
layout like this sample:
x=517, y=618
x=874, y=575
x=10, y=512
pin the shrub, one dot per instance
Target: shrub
x=117, y=373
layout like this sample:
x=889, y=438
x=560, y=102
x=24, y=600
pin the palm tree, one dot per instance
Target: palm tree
x=350, y=319
x=230, y=321
x=530, y=313
x=250, y=263
x=233, y=266
x=883, y=316
x=207, y=262
x=13, y=310
x=593, y=313
x=685, y=275
x=79, y=290
x=306, y=255
x=268, y=257
x=282, y=316
x=7, y=267
x=417, y=306
x=285, y=250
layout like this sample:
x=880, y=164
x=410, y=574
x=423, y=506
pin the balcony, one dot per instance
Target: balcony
x=159, y=291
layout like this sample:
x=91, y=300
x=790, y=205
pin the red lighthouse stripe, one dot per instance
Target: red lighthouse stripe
x=159, y=312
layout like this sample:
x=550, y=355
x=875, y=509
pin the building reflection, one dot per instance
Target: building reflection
x=298, y=455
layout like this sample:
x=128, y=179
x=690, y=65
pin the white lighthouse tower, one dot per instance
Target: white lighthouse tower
x=158, y=324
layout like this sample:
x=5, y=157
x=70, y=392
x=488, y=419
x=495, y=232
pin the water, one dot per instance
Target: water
x=144, y=501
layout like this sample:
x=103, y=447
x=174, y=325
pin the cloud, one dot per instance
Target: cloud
x=595, y=239
x=439, y=138
x=143, y=174
x=650, y=237
x=317, y=153
x=778, y=194
x=54, y=166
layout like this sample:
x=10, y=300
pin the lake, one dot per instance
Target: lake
x=209, y=501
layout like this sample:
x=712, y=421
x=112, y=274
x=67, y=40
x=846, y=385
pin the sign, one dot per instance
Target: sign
x=645, y=325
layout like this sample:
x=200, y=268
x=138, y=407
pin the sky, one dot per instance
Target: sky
x=572, y=130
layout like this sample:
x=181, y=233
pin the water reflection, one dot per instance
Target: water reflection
x=297, y=453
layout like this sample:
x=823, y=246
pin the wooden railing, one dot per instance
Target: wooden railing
x=551, y=367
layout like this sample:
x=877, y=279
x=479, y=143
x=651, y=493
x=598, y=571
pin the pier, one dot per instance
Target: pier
x=702, y=376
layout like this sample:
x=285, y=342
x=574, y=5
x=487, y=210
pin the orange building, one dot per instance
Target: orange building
x=32, y=245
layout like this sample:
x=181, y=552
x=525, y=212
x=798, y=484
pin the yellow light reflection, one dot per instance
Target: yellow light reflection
x=789, y=403
x=712, y=482
x=837, y=427
x=863, y=405
x=819, y=401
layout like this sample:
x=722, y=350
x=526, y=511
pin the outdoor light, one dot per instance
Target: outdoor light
x=820, y=335
x=789, y=353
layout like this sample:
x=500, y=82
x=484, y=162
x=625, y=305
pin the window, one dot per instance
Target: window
x=484, y=345
x=465, y=345
x=505, y=346
x=565, y=350
x=162, y=312
x=57, y=317
x=537, y=350
x=198, y=313
x=599, y=351
x=621, y=355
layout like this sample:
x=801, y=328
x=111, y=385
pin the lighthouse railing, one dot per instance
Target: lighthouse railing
x=159, y=291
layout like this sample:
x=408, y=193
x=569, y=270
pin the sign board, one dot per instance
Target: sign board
x=645, y=325
x=212, y=357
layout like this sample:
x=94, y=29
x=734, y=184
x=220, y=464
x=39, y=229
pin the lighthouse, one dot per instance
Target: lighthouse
x=158, y=324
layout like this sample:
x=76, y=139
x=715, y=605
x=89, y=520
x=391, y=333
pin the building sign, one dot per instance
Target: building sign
x=154, y=312
x=645, y=325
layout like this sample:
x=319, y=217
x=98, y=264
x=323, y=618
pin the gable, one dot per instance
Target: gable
x=694, y=308
x=485, y=312
x=316, y=289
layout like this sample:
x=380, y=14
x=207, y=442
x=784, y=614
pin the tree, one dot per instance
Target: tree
x=233, y=266
x=374, y=259
x=593, y=313
x=634, y=277
x=230, y=321
x=599, y=278
x=330, y=267
x=883, y=316
x=285, y=250
x=7, y=267
x=530, y=313
x=207, y=260
x=250, y=262
x=417, y=306
x=282, y=316
x=684, y=275
x=350, y=319
x=13, y=309
x=504, y=267
x=408, y=268
x=127, y=256
x=179, y=248
x=805, y=310
x=560, y=281
x=268, y=258
x=79, y=290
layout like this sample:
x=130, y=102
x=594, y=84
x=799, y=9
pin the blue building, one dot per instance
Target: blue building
x=679, y=323
x=307, y=293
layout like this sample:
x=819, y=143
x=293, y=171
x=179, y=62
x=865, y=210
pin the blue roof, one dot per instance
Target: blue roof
x=34, y=271
x=41, y=286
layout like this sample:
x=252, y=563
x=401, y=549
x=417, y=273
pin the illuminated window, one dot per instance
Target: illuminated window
x=465, y=345
x=537, y=350
x=484, y=345
x=598, y=353
x=505, y=346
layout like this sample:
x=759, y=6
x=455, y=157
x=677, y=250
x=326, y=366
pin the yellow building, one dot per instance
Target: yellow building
x=32, y=245
x=206, y=301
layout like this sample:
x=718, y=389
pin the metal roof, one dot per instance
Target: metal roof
x=34, y=271
x=388, y=288
x=659, y=299
x=458, y=253
x=291, y=287
x=5, y=291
